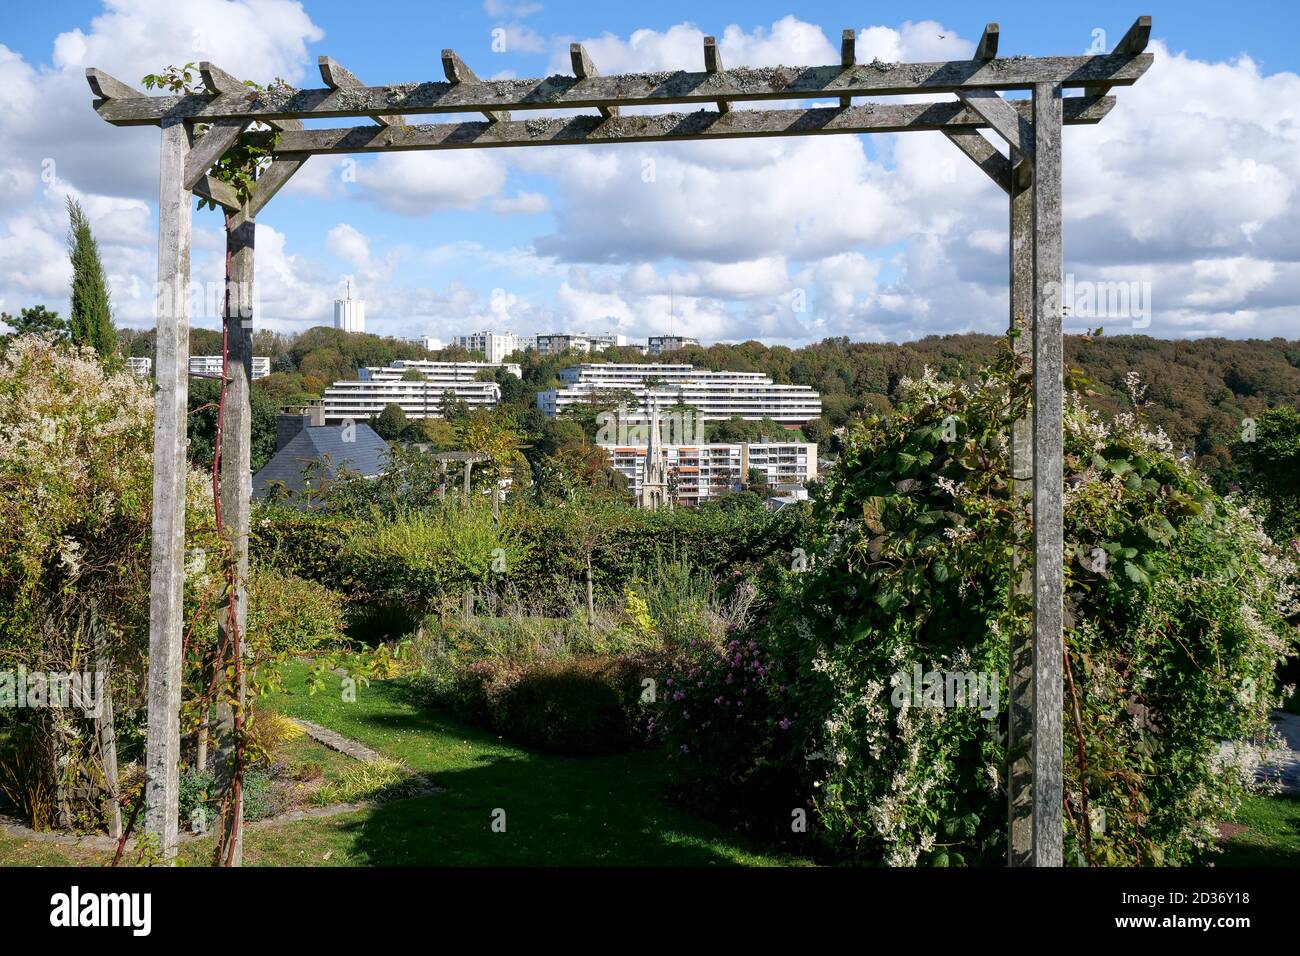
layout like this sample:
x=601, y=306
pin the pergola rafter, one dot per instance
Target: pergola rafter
x=1029, y=172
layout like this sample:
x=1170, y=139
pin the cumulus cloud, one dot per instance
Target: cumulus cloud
x=1189, y=185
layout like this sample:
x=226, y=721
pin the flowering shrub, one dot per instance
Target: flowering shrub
x=1175, y=607
x=75, y=478
x=734, y=734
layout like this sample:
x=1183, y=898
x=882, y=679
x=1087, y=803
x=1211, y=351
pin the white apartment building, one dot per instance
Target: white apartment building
x=561, y=342
x=496, y=346
x=140, y=365
x=718, y=396
x=659, y=344
x=428, y=342
x=699, y=472
x=378, y=387
x=209, y=366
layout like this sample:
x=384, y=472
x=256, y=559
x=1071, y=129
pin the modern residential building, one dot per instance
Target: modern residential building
x=560, y=342
x=716, y=396
x=209, y=366
x=140, y=365
x=428, y=342
x=418, y=397
x=350, y=313
x=495, y=346
x=698, y=472
x=659, y=344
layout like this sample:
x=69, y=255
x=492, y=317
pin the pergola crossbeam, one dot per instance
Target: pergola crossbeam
x=649, y=89
x=713, y=64
x=337, y=77
x=987, y=48
x=665, y=127
x=110, y=88
x=848, y=59
x=1133, y=42
x=457, y=72
x=584, y=69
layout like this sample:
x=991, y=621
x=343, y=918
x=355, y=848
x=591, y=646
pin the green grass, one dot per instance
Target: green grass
x=607, y=810
x=1272, y=837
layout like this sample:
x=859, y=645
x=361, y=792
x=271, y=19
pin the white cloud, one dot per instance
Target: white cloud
x=416, y=184
x=349, y=245
x=522, y=203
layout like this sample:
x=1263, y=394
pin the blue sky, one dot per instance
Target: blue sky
x=1185, y=194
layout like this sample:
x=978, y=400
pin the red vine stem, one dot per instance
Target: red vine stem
x=1083, y=763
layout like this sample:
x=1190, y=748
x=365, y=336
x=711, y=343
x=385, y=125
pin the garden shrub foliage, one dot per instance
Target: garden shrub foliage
x=1175, y=608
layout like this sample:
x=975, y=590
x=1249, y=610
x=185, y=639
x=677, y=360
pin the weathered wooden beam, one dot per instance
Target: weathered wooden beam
x=713, y=64
x=210, y=147
x=217, y=81
x=1049, y=581
x=662, y=127
x=270, y=182
x=235, y=487
x=223, y=194
x=1020, y=676
x=659, y=89
x=1133, y=42
x=457, y=72
x=585, y=69
x=1009, y=123
x=848, y=59
x=981, y=151
x=109, y=88
x=337, y=77
x=167, y=556
x=987, y=48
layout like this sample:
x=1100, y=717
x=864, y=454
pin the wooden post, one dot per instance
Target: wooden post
x=1049, y=439
x=235, y=486
x=107, y=732
x=166, y=566
x=1020, y=685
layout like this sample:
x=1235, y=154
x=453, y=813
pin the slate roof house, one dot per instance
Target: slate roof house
x=300, y=443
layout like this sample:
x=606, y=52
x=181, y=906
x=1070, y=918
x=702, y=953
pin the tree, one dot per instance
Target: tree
x=36, y=320
x=390, y=423
x=756, y=481
x=91, y=319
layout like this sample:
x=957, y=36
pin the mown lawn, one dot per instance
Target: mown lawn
x=608, y=810
x=1272, y=837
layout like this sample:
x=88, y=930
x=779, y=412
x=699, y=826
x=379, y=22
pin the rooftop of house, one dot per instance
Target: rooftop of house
x=333, y=447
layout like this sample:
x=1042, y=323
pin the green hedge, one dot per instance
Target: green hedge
x=416, y=559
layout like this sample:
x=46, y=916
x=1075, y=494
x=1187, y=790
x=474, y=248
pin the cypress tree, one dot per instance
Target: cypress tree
x=91, y=320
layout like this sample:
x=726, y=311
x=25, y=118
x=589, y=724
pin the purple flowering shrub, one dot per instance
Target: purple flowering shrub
x=733, y=731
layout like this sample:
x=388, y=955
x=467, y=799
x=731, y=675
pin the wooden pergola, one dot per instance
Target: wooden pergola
x=1030, y=175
